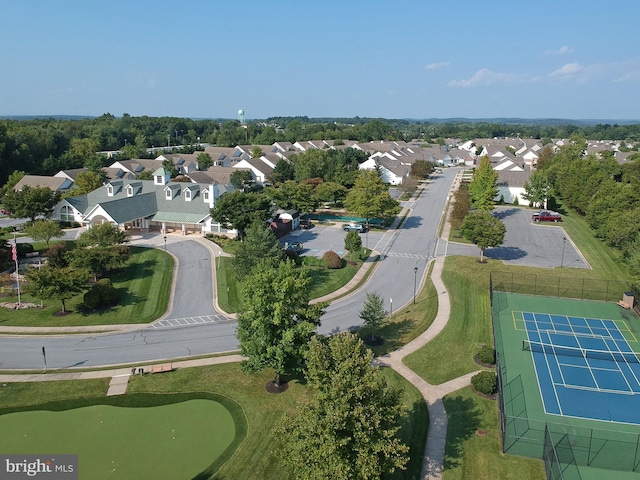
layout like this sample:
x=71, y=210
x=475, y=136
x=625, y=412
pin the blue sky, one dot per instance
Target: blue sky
x=391, y=59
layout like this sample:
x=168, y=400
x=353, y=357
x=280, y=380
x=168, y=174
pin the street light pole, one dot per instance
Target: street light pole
x=391, y=303
x=564, y=242
x=415, y=282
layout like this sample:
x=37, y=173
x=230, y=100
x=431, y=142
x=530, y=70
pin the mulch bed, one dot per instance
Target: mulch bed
x=482, y=364
x=62, y=314
x=493, y=396
x=271, y=387
x=373, y=342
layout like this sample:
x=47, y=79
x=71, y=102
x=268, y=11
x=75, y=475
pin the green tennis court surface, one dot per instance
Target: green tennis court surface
x=573, y=432
x=174, y=441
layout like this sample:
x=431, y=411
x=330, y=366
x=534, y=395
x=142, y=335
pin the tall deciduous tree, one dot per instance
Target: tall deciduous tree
x=483, y=229
x=30, y=202
x=348, y=430
x=56, y=283
x=204, y=161
x=86, y=182
x=241, y=179
x=238, y=210
x=370, y=197
x=44, y=230
x=276, y=321
x=483, y=188
x=536, y=189
x=461, y=206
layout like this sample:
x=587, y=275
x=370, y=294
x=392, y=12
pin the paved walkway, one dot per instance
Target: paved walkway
x=433, y=394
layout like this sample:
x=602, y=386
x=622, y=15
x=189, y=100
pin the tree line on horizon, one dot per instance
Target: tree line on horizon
x=47, y=145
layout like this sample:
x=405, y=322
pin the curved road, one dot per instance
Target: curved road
x=403, y=250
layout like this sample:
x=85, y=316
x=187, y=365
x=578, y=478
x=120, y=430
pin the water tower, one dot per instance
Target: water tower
x=241, y=116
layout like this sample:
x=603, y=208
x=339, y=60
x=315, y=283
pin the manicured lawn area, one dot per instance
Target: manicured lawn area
x=256, y=456
x=469, y=456
x=144, y=286
x=112, y=440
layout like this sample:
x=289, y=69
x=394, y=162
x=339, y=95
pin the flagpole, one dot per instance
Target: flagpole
x=15, y=257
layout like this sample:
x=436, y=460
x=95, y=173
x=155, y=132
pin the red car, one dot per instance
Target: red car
x=546, y=216
x=4, y=212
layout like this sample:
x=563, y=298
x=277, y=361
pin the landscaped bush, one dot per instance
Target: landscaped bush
x=332, y=259
x=312, y=261
x=23, y=249
x=102, y=293
x=484, y=382
x=487, y=355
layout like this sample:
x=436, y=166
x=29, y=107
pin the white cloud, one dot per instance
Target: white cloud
x=563, y=50
x=437, y=65
x=568, y=70
x=485, y=77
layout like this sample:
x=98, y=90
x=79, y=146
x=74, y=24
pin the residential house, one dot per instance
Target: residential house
x=56, y=184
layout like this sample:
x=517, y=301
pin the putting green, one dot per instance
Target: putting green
x=174, y=441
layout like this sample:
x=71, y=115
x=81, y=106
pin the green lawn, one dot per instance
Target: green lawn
x=110, y=440
x=256, y=456
x=144, y=286
x=469, y=456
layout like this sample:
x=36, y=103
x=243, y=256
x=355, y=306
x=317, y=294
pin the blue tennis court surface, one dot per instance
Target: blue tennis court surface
x=585, y=367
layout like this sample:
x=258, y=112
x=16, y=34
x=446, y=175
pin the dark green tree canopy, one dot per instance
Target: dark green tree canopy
x=348, y=430
x=370, y=197
x=373, y=313
x=56, y=283
x=276, y=320
x=260, y=245
x=483, y=188
x=30, y=202
x=44, y=230
x=102, y=235
x=238, y=210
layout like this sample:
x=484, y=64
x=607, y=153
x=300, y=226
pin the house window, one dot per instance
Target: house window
x=159, y=180
x=110, y=190
x=129, y=191
x=66, y=214
x=187, y=195
x=168, y=194
x=205, y=195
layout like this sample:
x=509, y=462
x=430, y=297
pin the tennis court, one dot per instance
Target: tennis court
x=569, y=383
x=585, y=367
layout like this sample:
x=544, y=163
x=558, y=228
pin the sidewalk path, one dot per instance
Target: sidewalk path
x=434, y=453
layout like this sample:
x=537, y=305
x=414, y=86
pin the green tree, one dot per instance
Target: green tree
x=98, y=260
x=30, y=202
x=238, y=210
x=422, y=168
x=370, y=197
x=483, y=229
x=204, y=161
x=259, y=245
x=44, y=230
x=353, y=242
x=461, y=206
x=56, y=283
x=256, y=152
x=102, y=235
x=13, y=179
x=85, y=182
x=373, y=313
x=283, y=171
x=348, y=430
x=241, y=179
x=483, y=188
x=330, y=191
x=276, y=320
x=537, y=189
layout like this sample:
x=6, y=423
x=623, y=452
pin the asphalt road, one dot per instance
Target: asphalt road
x=194, y=328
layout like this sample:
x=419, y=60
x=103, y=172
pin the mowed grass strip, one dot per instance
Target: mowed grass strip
x=144, y=285
x=469, y=456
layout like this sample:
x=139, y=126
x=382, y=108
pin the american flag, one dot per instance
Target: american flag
x=14, y=252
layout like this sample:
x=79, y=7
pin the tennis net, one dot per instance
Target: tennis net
x=559, y=350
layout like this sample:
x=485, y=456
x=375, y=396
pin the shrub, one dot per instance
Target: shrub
x=57, y=255
x=332, y=260
x=487, y=355
x=484, y=382
x=352, y=242
x=102, y=293
x=23, y=249
x=312, y=261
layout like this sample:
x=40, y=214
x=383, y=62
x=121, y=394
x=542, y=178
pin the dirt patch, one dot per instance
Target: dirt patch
x=271, y=387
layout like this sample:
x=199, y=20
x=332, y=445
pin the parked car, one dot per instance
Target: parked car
x=354, y=227
x=295, y=247
x=305, y=224
x=4, y=212
x=546, y=216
